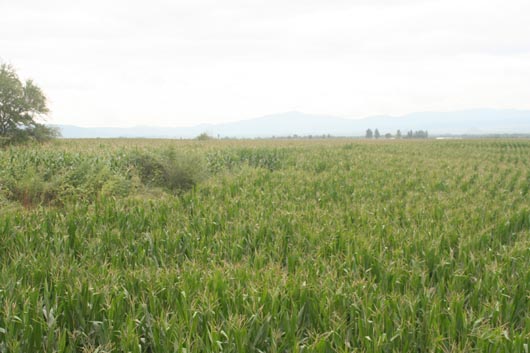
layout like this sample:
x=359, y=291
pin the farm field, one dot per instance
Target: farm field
x=265, y=246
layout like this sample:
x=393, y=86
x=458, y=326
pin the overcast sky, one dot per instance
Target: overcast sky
x=179, y=63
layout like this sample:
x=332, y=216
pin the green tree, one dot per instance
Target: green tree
x=398, y=134
x=21, y=105
x=377, y=134
x=369, y=134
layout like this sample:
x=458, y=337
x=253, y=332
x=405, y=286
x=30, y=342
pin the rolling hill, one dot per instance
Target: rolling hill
x=469, y=122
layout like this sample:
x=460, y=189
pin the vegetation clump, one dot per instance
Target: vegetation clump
x=204, y=137
x=170, y=169
x=54, y=177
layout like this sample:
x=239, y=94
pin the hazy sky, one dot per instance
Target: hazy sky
x=176, y=63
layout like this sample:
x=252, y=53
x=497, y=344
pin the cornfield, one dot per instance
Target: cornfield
x=265, y=246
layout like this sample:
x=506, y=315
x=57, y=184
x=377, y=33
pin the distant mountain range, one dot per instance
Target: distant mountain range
x=468, y=122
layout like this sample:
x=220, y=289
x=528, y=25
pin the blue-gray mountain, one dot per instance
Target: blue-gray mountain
x=470, y=122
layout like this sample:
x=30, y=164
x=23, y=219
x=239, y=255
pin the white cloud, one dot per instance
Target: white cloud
x=185, y=62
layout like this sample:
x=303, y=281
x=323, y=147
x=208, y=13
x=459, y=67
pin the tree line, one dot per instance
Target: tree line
x=418, y=134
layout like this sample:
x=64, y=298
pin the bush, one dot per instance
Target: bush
x=31, y=190
x=42, y=133
x=36, y=133
x=204, y=137
x=170, y=169
x=116, y=185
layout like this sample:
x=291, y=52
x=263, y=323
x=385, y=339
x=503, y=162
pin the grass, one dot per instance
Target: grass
x=274, y=246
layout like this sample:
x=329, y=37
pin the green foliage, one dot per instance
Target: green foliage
x=42, y=133
x=288, y=246
x=21, y=104
x=229, y=159
x=419, y=134
x=204, y=137
x=31, y=189
x=55, y=177
x=170, y=169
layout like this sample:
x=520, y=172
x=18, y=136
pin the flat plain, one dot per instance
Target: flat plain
x=265, y=246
